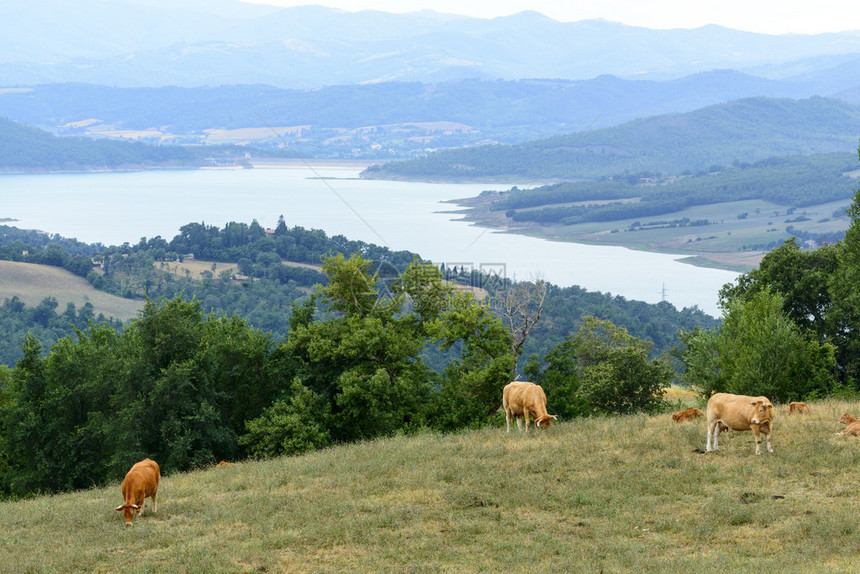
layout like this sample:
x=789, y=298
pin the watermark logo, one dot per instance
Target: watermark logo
x=490, y=276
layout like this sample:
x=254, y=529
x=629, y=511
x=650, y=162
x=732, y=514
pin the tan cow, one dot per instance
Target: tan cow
x=687, y=415
x=796, y=407
x=521, y=399
x=140, y=482
x=739, y=412
x=853, y=425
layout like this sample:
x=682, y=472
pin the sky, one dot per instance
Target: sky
x=762, y=16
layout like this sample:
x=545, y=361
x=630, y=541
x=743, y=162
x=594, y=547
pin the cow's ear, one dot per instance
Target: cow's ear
x=118, y=507
x=753, y=403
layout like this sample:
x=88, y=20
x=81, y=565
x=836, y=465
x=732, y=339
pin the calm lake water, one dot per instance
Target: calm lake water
x=114, y=208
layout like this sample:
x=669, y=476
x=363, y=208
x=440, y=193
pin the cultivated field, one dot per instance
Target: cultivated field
x=32, y=283
x=626, y=494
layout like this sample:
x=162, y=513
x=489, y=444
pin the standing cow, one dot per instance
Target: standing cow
x=521, y=399
x=739, y=412
x=139, y=483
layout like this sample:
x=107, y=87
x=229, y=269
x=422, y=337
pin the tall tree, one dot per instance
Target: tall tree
x=521, y=306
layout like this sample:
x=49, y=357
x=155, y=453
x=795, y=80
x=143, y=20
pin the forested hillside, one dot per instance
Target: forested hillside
x=748, y=130
x=24, y=148
x=263, y=281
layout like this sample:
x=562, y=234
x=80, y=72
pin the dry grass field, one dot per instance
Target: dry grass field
x=32, y=283
x=623, y=494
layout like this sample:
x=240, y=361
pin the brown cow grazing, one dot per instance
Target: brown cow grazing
x=853, y=425
x=141, y=481
x=687, y=415
x=739, y=412
x=797, y=407
x=521, y=399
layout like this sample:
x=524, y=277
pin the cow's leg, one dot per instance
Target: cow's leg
x=713, y=434
x=757, y=439
x=508, y=418
x=154, y=505
x=769, y=447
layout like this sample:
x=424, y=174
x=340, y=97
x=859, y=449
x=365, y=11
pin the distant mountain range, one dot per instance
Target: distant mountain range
x=224, y=42
x=380, y=121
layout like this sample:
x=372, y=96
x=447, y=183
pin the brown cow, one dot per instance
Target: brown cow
x=853, y=425
x=796, y=407
x=141, y=481
x=739, y=412
x=687, y=415
x=521, y=399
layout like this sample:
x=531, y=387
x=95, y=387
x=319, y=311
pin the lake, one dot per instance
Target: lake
x=114, y=208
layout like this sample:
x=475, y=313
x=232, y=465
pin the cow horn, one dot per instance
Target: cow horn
x=118, y=507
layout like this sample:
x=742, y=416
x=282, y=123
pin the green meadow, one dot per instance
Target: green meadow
x=620, y=494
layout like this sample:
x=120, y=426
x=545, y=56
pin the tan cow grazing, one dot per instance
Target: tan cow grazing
x=687, y=415
x=739, y=412
x=140, y=482
x=521, y=399
x=853, y=425
x=796, y=407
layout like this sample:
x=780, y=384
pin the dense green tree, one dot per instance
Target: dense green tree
x=759, y=350
x=803, y=277
x=617, y=373
x=290, y=425
x=602, y=369
x=470, y=389
x=845, y=288
x=364, y=357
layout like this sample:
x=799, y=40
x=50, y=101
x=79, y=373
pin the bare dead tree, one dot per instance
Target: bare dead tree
x=521, y=308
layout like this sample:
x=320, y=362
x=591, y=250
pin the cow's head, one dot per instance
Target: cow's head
x=129, y=511
x=544, y=421
x=762, y=412
x=846, y=419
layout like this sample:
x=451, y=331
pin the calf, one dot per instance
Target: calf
x=521, y=399
x=140, y=482
x=853, y=425
x=797, y=407
x=739, y=412
x=687, y=415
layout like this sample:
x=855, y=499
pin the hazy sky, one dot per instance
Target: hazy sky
x=765, y=16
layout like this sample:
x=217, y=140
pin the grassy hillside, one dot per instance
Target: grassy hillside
x=615, y=495
x=32, y=283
